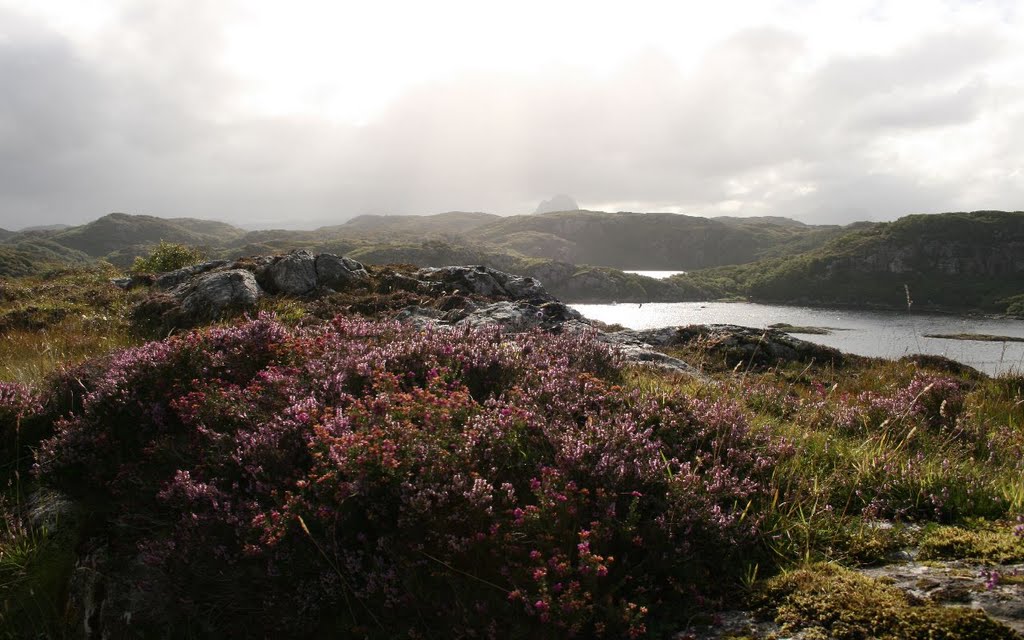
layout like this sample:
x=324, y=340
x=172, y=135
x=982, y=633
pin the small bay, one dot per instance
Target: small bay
x=885, y=334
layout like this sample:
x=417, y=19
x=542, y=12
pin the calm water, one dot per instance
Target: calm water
x=886, y=334
x=657, y=275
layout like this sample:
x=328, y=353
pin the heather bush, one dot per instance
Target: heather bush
x=20, y=409
x=372, y=478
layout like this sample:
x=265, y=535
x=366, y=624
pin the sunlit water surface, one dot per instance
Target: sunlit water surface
x=886, y=334
x=657, y=275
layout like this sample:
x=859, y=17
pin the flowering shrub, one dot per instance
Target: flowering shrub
x=926, y=400
x=366, y=477
x=19, y=408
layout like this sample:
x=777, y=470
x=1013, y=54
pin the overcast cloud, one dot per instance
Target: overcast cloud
x=232, y=112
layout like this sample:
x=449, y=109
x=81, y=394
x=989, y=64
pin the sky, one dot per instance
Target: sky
x=299, y=114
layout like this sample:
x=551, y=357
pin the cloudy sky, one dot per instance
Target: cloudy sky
x=309, y=112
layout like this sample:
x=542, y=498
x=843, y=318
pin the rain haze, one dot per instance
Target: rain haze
x=309, y=113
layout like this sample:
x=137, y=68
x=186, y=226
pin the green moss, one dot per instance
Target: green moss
x=827, y=601
x=988, y=542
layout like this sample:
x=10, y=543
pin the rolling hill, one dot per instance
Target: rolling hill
x=946, y=261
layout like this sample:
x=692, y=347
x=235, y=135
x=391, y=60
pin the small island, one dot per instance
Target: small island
x=979, y=337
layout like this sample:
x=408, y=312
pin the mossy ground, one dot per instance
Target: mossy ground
x=977, y=540
x=828, y=602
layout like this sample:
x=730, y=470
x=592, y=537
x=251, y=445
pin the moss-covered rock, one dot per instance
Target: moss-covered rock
x=827, y=601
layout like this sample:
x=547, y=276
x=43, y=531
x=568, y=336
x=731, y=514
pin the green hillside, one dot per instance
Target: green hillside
x=117, y=231
x=639, y=240
x=954, y=261
x=451, y=222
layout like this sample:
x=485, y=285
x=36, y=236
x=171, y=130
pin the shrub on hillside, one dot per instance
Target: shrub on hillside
x=370, y=478
x=167, y=256
x=20, y=408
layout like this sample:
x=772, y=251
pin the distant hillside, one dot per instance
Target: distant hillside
x=954, y=261
x=118, y=231
x=16, y=261
x=640, y=240
x=46, y=227
x=5, y=234
x=452, y=222
x=46, y=250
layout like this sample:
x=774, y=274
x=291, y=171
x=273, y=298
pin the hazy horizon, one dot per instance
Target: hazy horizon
x=263, y=115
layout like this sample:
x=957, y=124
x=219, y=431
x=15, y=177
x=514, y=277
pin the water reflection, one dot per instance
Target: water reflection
x=886, y=334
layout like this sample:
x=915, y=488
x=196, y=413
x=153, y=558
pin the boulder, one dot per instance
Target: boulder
x=522, y=316
x=339, y=273
x=294, y=274
x=171, y=279
x=638, y=347
x=756, y=347
x=210, y=296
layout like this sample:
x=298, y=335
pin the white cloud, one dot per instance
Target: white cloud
x=251, y=112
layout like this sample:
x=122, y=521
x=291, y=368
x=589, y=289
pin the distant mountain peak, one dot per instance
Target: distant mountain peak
x=560, y=202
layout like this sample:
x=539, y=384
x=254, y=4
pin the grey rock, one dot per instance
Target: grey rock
x=117, y=595
x=172, y=279
x=959, y=583
x=211, y=295
x=294, y=274
x=475, y=279
x=484, y=281
x=756, y=347
x=638, y=347
x=339, y=273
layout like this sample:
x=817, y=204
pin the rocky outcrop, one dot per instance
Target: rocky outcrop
x=212, y=295
x=754, y=347
x=213, y=290
x=293, y=274
x=560, y=202
x=484, y=281
x=338, y=272
x=512, y=316
x=178, y=277
x=464, y=296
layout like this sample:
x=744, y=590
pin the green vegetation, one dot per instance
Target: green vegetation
x=990, y=542
x=827, y=601
x=167, y=256
x=842, y=456
x=953, y=261
x=326, y=455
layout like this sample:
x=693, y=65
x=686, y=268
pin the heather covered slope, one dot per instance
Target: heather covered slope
x=322, y=470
